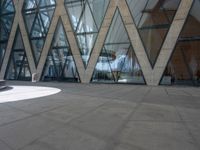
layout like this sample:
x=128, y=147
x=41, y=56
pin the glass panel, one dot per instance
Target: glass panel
x=6, y=18
x=7, y=6
x=2, y=52
x=37, y=15
x=131, y=71
x=60, y=64
x=37, y=45
x=44, y=3
x=86, y=17
x=86, y=42
x=118, y=52
x=153, y=19
x=117, y=61
x=18, y=68
x=103, y=72
x=184, y=66
x=87, y=22
x=98, y=8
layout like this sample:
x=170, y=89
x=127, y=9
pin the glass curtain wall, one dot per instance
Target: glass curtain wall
x=153, y=19
x=37, y=15
x=117, y=62
x=18, y=67
x=7, y=12
x=60, y=63
x=86, y=17
x=184, y=65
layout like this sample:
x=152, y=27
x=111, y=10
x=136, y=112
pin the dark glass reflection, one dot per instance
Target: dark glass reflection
x=117, y=61
x=60, y=64
x=184, y=65
x=37, y=15
x=6, y=19
x=86, y=17
x=153, y=19
x=18, y=68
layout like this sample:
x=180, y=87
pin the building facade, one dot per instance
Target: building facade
x=153, y=42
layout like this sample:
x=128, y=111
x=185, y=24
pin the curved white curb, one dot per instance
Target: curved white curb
x=18, y=93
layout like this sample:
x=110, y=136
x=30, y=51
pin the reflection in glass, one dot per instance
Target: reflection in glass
x=184, y=65
x=60, y=64
x=6, y=19
x=18, y=68
x=153, y=19
x=86, y=17
x=117, y=61
x=37, y=16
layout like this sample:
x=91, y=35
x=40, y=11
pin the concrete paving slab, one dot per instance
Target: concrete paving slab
x=74, y=109
x=194, y=128
x=157, y=136
x=3, y=146
x=21, y=133
x=125, y=147
x=9, y=114
x=154, y=112
x=188, y=114
x=177, y=91
x=105, y=120
x=67, y=139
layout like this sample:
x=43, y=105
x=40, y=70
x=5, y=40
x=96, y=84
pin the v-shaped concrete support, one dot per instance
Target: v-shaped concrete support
x=151, y=75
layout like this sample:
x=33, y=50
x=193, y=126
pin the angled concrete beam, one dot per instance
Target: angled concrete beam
x=151, y=75
x=60, y=12
x=10, y=42
x=18, y=21
x=100, y=40
x=154, y=75
x=170, y=41
x=25, y=38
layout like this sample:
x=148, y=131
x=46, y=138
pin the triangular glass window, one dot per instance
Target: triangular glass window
x=31, y=19
x=117, y=57
x=75, y=9
x=86, y=43
x=37, y=29
x=131, y=71
x=60, y=63
x=98, y=9
x=153, y=19
x=44, y=3
x=184, y=65
x=103, y=71
x=86, y=17
x=7, y=6
x=7, y=12
x=18, y=67
x=87, y=22
x=30, y=4
x=38, y=15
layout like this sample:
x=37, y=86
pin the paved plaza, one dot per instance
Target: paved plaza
x=102, y=117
